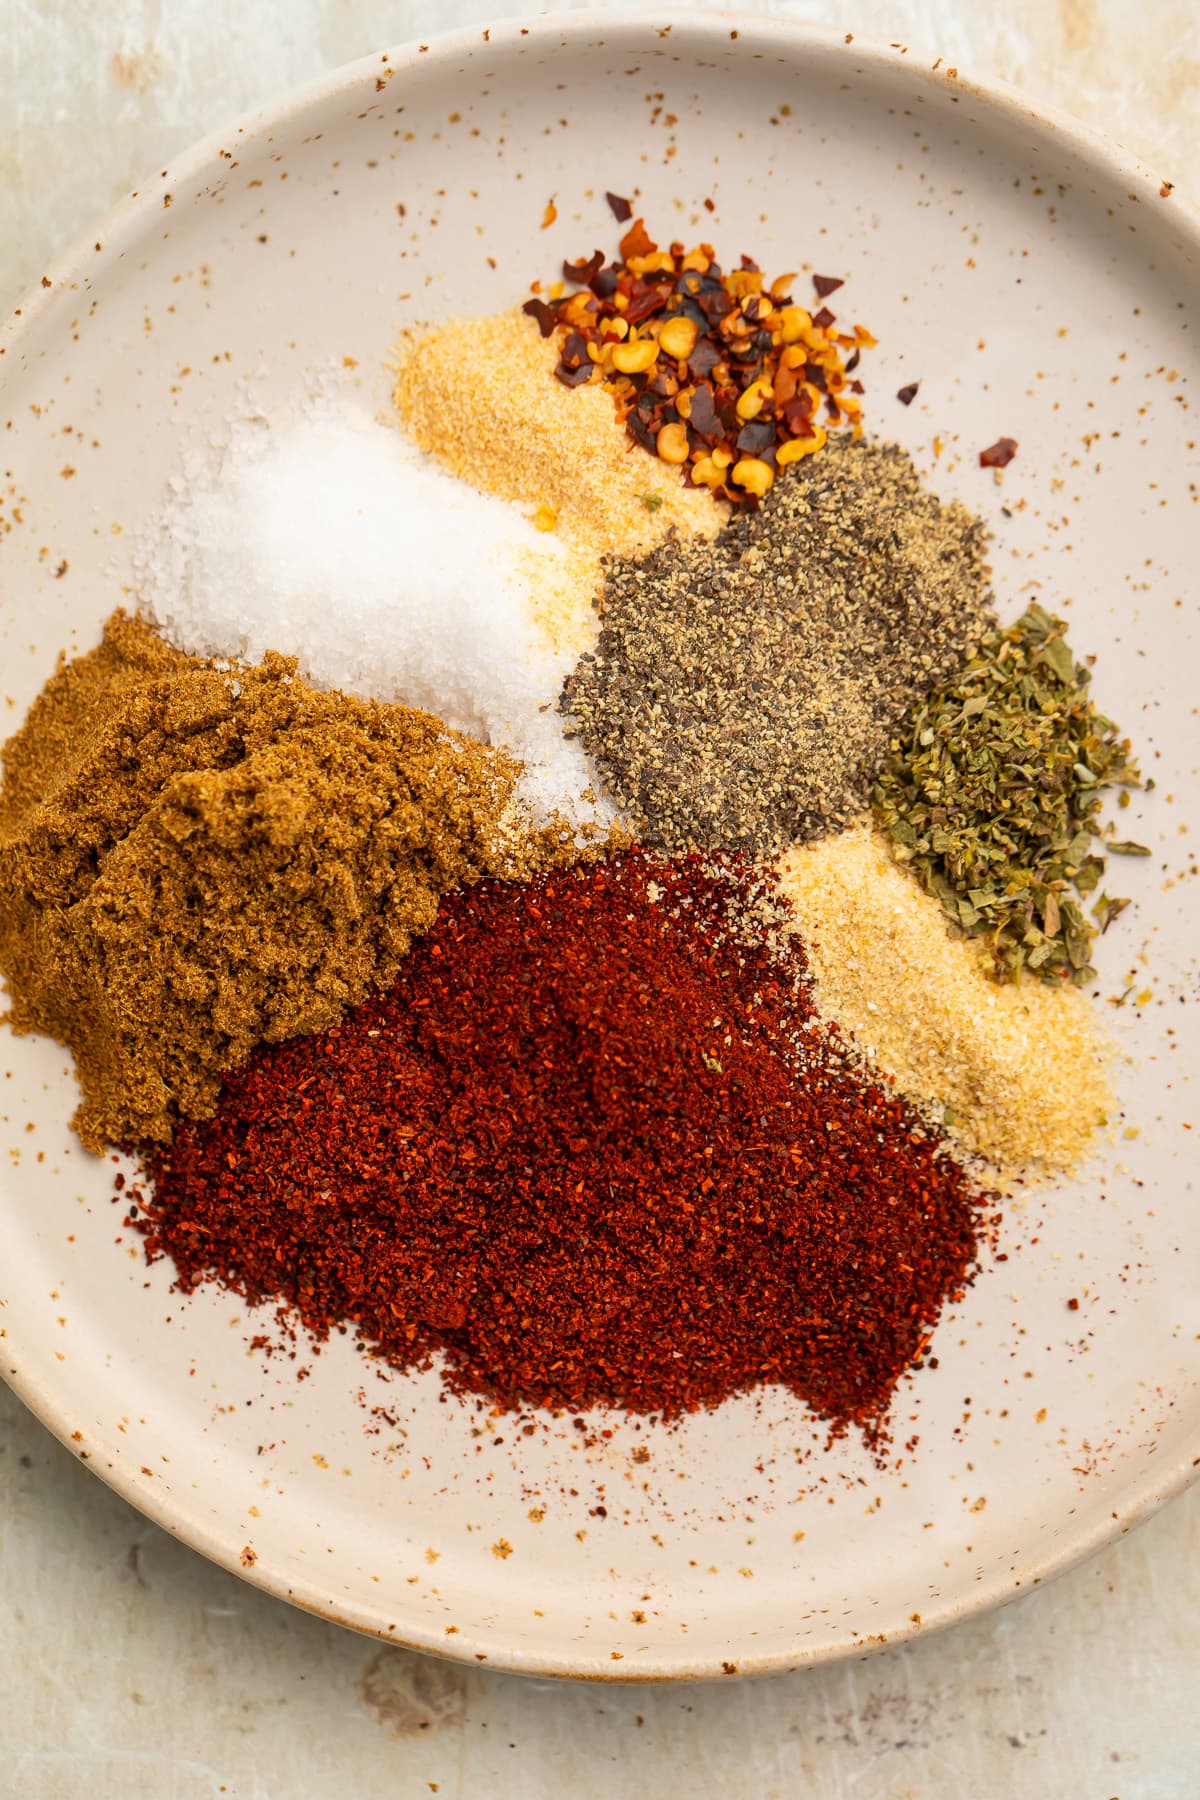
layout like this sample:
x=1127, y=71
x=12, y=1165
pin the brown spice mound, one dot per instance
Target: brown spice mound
x=196, y=860
x=743, y=692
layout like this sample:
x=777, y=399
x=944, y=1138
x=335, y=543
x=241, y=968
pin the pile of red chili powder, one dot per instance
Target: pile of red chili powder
x=592, y=1147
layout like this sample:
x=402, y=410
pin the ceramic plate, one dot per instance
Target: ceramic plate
x=1037, y=285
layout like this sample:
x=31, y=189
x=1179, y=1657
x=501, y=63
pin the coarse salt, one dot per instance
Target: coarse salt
x=333, y=539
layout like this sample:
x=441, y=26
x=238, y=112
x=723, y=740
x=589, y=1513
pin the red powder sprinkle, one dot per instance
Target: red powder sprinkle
x=593, y=1149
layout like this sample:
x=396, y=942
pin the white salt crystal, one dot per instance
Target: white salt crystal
x=334, y=540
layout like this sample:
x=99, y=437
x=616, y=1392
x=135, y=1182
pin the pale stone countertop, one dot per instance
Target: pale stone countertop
x=133, y=1668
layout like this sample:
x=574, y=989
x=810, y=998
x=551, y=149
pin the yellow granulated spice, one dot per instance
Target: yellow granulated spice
x=1020, y=1071
x=560, y=595
x=481, y=396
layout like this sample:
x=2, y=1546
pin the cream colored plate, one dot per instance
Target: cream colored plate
x=1038, y=285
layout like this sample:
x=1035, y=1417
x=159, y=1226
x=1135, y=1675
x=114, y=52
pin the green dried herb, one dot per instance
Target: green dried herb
x=651, y=502
x=991, y=791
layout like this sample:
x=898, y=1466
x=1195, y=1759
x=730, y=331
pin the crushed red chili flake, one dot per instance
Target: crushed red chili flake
x=999, y=454
x=543, y=313
x=906, y=395
x=593, y=1148
x=581, y=273
x=620, y=207
x=715, y=371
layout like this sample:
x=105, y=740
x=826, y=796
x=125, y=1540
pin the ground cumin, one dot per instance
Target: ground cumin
x=197, y=859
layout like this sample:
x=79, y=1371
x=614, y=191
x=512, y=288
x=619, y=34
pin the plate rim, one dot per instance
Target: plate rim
x=103, y=245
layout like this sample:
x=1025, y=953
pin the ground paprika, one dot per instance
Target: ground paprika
x=593, y=1146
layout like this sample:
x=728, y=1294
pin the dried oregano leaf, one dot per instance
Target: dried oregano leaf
x=992, y=792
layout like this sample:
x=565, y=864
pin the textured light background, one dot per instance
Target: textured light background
x=132, y=1668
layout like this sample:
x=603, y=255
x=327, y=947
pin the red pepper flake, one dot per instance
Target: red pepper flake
x=797, y=416
x=827, y=284
x=906, y=395
x=999, y=454
x=704, y=419
x=546, y=315
x=710, y=205
x=550, y=214
x=637, y=241
x=575, y=350
x=1073, y=1304
x=621, y=209
x=589, y=1149
x=678, y=342
x=642, y=301
x=584, y=273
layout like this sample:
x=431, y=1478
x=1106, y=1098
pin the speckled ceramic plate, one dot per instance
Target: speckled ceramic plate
x=1037, y=284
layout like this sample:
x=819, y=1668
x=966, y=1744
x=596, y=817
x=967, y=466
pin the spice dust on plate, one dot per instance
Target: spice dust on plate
x=570, y=880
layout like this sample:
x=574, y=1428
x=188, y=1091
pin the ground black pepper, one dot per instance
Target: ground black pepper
x=743, y=691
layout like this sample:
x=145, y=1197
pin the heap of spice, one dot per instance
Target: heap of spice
x=332, y=539
x=195, y=860
x=712, y=370
x=591, y=1148
x=478, y=395
x=1015, y=1073
x=742, y=692
x=992, y=791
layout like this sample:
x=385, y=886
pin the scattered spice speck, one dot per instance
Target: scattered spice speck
x=999, y=454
